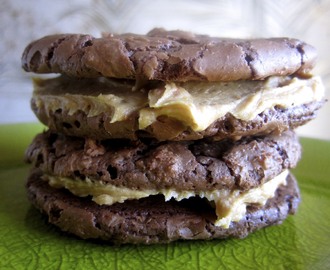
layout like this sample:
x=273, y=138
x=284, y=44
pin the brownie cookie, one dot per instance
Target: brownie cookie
x=275, y=120
x=181, y=166
x=169, y=135
x=152, y=220
x=168, y=56
x=106, y=108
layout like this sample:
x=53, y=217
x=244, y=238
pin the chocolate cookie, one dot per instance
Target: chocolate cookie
x=152, y=220
x=274, y=120
x=180, y=166
x=106, y=108
x=168, y=56
x=169, y=135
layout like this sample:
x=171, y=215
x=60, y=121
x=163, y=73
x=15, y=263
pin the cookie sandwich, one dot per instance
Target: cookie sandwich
x=169, y=135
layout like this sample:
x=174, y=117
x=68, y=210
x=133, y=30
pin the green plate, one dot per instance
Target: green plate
x=28, y=242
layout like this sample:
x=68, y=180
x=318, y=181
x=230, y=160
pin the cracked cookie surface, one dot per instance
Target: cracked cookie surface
x=152, y=220
x=181, y=166
x=168, y=56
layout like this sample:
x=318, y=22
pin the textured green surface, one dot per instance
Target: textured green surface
x=28, y=242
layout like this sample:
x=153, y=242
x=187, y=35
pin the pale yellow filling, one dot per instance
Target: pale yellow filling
x=199, y=104
x=106, y=96
x=195, y=104
x=230, y=205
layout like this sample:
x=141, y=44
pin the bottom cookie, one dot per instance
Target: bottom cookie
x=152, y=220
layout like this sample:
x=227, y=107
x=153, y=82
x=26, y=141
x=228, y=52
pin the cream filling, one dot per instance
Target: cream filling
x=92, y=97
x=230, y=205
x=199, y=104
x=195, y=104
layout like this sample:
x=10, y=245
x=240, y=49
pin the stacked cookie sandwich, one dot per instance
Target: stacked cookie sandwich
x=170, y=135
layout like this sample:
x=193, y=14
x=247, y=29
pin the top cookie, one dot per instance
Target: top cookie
x=168, y=56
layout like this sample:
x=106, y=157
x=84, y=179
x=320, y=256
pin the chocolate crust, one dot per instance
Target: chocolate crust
x=189, y=166
x=152, y=220
x=168, y=56
x=274, y=120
